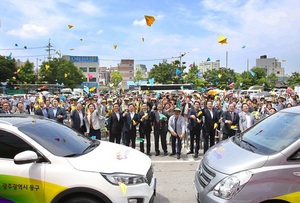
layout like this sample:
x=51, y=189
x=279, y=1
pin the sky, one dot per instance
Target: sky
x=262, y=27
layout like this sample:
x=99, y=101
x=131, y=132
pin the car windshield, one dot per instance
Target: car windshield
x=273, y=134
x=58, y=139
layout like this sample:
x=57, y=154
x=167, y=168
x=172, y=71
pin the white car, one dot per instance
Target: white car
x=44, y=161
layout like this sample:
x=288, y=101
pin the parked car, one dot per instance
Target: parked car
x=44, y=161
x=261, y=165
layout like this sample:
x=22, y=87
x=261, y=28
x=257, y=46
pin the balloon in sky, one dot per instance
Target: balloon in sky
x=222, y=40
x=115, y=46
x=149, y=20
x=16, y=44
x=283, y=60
x=47, y=67
x=143, y=39
x=243, y=47
x=72, y=49
x=70, y=26
x=208, y=59
x=81, y=39
x=25, y=47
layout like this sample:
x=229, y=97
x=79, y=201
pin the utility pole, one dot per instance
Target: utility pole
x=49, y=49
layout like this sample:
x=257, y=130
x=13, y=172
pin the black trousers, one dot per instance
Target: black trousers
x=162, y=134
x=96, y=133
x=115, y=137
x=208, y=136
x=195, y=134
x=130, y=136
x=146, y=135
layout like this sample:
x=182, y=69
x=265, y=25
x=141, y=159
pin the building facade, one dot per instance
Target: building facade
x=89, y=65
x=205, y=66
x=271, y=65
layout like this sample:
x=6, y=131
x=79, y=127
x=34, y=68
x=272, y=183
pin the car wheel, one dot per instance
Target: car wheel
x=82, y=199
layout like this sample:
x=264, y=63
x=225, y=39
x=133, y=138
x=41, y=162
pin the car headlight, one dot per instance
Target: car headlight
x=127, y=179
x=231, y=185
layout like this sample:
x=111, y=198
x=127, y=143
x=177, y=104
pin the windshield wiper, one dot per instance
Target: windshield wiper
x=251, y=145
x=72, y=155
x=91, y=146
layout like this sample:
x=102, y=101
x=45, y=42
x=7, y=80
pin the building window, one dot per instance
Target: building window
x=92, y=69
x=130, y=78
x=130, y=71
x=93, y=80
x=278, y=72
x=83, y=69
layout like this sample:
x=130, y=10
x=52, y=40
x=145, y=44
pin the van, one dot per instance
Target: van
x=260, y=165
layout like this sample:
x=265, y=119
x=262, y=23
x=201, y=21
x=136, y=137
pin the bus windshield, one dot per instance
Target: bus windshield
x=166, y=87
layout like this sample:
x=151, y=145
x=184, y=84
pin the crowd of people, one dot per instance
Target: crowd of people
x=130, y=118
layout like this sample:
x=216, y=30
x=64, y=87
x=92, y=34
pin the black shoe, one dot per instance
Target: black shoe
x=190, y=152
x=148, y=153
x=178, y=156
x=166, y=153
x=196, y=155
x=172, y=154
x=157, y=153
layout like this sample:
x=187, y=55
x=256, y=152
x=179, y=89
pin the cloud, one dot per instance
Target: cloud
x=88, y=8
x=139, y=22
x=100, y=31
x=29, y=31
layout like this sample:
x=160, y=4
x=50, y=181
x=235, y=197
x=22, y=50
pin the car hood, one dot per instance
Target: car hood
x=109, y=157
x=228, y=158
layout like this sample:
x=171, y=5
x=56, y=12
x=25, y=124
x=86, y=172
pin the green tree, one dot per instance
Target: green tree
x=26, y=74
x=272, y=79
x=192, y=77
x=220, y=78
x=60, y=71
x=294, y=79
x=138, y=76
x=163, y=73
x=256, y=76
x=7, y=69
x=116, y=78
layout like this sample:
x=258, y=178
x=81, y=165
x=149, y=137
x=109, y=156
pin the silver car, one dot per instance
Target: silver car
x=260, y=165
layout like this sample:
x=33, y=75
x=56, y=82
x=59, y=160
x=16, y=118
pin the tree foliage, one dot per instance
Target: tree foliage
x=25, y=74
x=138, y=76
x=220, y=78
x=7, y=68
x=294, y=79
x=165, y=73
x=192, y=77
x=116, y=78
x=61, y=71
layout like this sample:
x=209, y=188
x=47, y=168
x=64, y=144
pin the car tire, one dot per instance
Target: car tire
x=82, y=199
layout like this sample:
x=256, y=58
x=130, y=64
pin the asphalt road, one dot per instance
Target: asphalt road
x=175, y=177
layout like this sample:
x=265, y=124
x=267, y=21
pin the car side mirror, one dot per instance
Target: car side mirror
x=26, y=157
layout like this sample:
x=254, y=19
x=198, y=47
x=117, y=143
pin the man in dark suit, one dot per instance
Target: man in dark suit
x=5, y=108
x=210, y=117
x=57, y=113
x=145, y=128
x=194, y=125
x=160, y=122
x=114, y=127
x=42, y=110
x=231, y=122
x=130, y=121
x=77, y=118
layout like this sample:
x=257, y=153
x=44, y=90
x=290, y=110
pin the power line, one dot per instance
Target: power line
x=10, y=49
